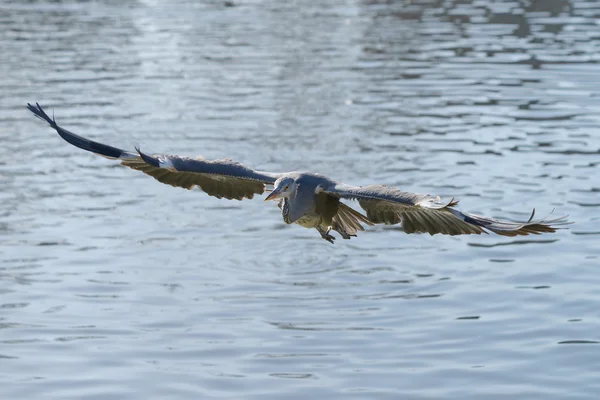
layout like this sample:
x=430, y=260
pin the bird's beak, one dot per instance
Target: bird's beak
x=274, y=195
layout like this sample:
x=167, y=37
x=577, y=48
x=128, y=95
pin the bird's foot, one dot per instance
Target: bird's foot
x=325, y=234
x=328, y=237
x=346, y=235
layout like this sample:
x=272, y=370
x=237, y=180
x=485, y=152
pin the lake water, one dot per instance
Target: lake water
x=115, y=286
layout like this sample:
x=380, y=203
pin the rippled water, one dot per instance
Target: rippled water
x=115, y=286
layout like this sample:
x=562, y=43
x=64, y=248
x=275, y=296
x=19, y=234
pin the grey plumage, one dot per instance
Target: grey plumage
x=424, y=213
x=232, y=181
x=311, y=200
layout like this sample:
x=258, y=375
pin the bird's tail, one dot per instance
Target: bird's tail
x=347, y=221
x=509, y=228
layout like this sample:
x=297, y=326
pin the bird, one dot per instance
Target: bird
x=311, y=200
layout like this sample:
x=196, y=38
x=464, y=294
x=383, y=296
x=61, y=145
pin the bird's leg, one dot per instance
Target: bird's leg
x=344, y=234
x=340, y=229
x=325, y=234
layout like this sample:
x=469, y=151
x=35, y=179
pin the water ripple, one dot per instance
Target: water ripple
x=115, y=286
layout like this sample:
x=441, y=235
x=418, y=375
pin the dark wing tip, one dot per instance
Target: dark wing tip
x=532, y=226
x=74, y=139
x=147, y=158
x=453, y=202
x=39, y=112
x=533, y=215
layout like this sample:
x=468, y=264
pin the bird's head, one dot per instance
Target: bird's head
x=283, y=187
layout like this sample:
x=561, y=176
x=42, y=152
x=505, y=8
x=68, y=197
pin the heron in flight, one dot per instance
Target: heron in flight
x=308, y=199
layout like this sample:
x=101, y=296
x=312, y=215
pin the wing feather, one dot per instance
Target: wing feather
x=424, y=213
x=219, y=178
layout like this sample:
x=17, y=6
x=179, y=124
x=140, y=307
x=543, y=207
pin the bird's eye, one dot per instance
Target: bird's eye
x=286, y=187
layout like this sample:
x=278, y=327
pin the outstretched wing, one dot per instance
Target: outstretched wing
x=219, y=178
x=424, y=213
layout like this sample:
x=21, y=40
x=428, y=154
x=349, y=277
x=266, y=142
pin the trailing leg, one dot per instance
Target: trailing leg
x=325, y=234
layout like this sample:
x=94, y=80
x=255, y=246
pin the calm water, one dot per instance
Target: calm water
x=115, y=286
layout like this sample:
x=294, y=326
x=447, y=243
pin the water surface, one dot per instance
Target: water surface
x=116, y=286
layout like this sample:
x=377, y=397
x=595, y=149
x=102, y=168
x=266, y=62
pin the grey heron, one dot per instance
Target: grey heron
x=308, y=199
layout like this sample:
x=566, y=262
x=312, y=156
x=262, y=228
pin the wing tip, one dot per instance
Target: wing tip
x=76, y=140
x=39, y=112
x=148, y=159
x=532, y=226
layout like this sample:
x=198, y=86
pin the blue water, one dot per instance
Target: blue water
x=115, y=286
